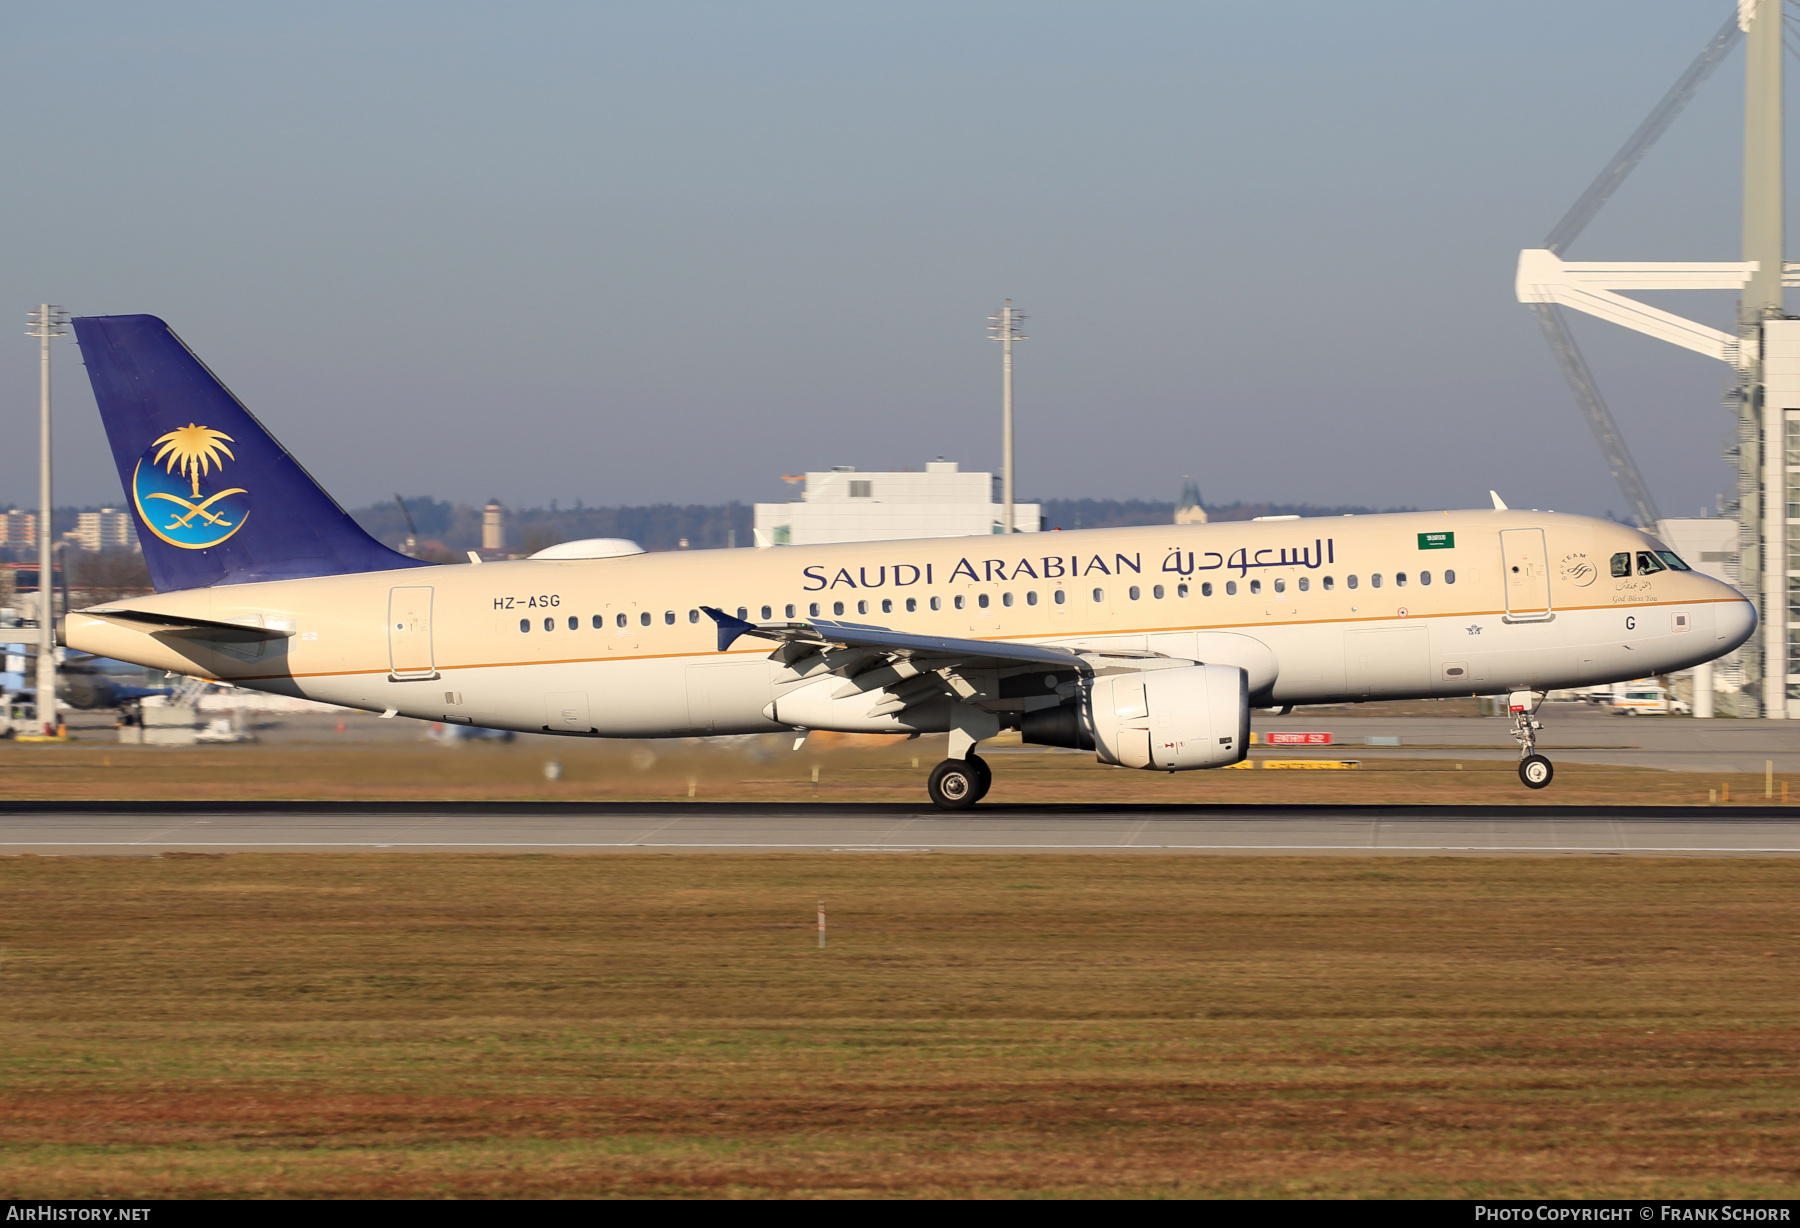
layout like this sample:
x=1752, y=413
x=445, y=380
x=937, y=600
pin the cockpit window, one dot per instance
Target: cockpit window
x=1648, y=563
x=1674, y=561
x=1621, y=564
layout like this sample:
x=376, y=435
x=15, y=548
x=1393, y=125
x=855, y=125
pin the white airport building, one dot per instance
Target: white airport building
x=1710, y=545
x=842, y=505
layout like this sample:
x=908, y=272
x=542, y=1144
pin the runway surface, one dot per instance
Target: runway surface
x=149, y=829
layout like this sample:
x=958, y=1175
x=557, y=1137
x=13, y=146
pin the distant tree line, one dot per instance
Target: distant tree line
x=447, y=531
x=452, y=529
x=1117, y=513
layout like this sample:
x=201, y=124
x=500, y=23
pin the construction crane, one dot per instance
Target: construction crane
x=412, y=532
x=1638, y=500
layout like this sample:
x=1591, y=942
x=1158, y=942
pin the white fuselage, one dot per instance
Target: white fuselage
x=1328, y=610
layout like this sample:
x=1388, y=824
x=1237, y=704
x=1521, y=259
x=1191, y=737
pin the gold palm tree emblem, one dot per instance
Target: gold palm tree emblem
x=193, y=451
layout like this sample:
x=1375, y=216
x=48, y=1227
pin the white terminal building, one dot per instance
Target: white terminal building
x=842, y=505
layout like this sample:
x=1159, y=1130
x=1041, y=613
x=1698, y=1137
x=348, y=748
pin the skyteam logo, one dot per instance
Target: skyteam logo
x=167, y=489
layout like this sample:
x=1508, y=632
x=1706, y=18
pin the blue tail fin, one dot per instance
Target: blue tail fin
x=215, y=499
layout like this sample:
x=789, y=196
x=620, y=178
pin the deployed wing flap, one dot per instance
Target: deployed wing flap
x=824, y=632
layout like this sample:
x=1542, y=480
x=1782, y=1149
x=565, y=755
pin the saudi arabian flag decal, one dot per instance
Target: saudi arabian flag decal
x=180, y=494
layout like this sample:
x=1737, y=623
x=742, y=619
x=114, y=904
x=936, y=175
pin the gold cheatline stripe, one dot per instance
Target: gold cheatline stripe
x=1310, y=622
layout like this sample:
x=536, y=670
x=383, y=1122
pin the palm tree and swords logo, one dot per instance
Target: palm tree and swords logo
x=166, y=487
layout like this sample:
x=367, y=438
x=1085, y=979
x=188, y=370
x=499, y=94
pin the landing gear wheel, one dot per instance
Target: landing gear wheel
x=955, y=784
x=985, y=773
x=1535, y=771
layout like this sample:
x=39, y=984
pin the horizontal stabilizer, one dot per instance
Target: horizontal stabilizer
x=195, y=628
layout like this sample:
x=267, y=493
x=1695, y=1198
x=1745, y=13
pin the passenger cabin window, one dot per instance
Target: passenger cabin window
x=1255, y=587
x=1134, y=592
x=957, y=601
x=1305, y=583
x=1649, y=564
x=1157, y=592
x=1375, y=580
x=621, y=620
x=574, y=623
x=982, y=601
x=887, y=605
x=1206, y=589
x=790, y=612
x=1621, y=564
x=912, y=605
x=1181, y=590
x=862, y=607
x=694, y=615
x=599, y=621
x=1329, y=584
x=1424, y=577
x=1349, y=581
x=549, y=624
x=644, y=618
x=1400, y=579
x=525, y=624
x=669, y=616
x=768, y=612
x=1281, y=586
x=837, y=607
x=1031, y=597
x=1061, y=596
x=937, y=603
x=1231, y=588
x=1099, y=594
x=1005, y=598
x=1449, y=577
x=812, y=611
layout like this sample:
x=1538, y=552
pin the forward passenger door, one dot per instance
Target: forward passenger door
x=1525, y=570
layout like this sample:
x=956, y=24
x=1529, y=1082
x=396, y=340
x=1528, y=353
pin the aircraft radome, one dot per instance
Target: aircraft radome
x=1148, y=646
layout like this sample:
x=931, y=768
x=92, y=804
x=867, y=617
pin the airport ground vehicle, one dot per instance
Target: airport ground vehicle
x=1646, y=697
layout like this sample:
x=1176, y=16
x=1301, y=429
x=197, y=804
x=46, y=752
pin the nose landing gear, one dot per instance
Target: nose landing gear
x=1534, y=770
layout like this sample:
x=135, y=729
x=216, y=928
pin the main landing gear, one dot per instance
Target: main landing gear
x=1534, y=770
x=957, y=784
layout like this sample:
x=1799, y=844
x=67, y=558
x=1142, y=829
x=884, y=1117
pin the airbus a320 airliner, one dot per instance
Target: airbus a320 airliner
x=1147, y=646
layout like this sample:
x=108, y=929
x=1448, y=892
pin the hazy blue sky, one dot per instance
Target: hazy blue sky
x=634, y=253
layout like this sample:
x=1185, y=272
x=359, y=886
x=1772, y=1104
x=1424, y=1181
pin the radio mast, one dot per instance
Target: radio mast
x=45, y=322
x=1004, y=328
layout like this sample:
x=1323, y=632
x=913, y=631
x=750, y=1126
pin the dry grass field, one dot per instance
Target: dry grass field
x=390, y=1025
x=766, y=769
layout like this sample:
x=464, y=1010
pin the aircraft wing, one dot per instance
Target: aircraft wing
x=897, y=670
x=823, y=633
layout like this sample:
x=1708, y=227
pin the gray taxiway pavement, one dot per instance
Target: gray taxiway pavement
x=1573, y=733
x=151, y=829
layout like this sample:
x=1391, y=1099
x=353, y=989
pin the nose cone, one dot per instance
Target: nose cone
x=1734, y=623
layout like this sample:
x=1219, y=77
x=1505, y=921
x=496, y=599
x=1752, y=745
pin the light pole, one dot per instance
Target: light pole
x=45, y=322
x=1004, y=328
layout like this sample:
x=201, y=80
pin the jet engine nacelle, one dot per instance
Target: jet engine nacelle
x=1164, y=720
